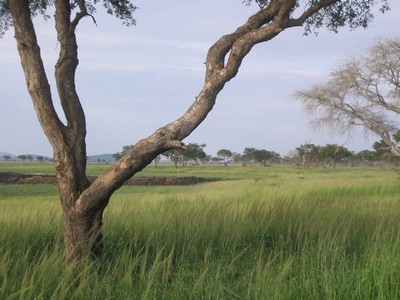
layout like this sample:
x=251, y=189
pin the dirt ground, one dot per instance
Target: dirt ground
x=16, y=178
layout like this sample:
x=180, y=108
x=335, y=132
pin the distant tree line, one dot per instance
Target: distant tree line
x=29, y=158
x=306, y=155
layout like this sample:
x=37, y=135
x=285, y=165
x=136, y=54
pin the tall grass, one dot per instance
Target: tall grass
x=279, y=237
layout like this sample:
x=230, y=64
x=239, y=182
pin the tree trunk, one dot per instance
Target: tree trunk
x=82, y=233
x=82, y=227
x=305, y=162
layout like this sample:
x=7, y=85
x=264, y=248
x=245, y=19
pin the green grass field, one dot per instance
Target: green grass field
x=272, y=233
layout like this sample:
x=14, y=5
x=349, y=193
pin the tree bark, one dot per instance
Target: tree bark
x=68, y=141
x=83, y=204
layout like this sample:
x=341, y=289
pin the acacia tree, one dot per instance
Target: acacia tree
x=22, y=157
x=83, y=203
x=225, y=155
x=381, y=148
x=125, y=149
x=259, y=156
x=305, y=152
x=175, y=155
x=363, y=92
x=194, y=152
x=263, y=156
x=384, y=153
x=366, y=157
x=334, y=153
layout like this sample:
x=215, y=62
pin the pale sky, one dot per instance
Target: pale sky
x=133, y=80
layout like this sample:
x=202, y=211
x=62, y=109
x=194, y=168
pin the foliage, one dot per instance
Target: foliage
x=349, y=13
x=175, y=155
x=253, y=155
x=384, y=153
x=216, y=159
x=22, y=157
x=366, y=156
x=37, y=7
x=334, y=153
x=310, y=153
x=194, y=153
x=225, y=154
x=343, y=13
x=381, y=148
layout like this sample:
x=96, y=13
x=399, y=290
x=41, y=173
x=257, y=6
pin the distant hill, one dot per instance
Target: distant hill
x=92, y=158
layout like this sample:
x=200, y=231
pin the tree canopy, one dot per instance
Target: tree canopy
x=260, y=156
x=335, y=153
x=225, y=155
x=332, y=14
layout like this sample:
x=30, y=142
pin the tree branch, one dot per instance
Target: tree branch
x=311, y=11
x=35, y=75
x=70, y=149
x=81, y=14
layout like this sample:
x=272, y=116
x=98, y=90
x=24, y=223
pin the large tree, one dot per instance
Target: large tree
x=83, y=203
x=364, y=91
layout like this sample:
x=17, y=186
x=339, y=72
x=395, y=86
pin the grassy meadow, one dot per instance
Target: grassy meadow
x=271, y=233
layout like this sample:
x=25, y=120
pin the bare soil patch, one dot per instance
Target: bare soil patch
x=16, y=178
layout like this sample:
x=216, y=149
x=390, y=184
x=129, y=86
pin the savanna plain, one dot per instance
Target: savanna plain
x=267, y=233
